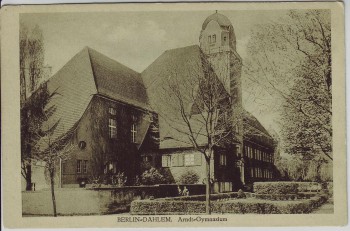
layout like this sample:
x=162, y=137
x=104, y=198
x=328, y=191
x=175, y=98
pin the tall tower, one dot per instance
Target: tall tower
x=218, y=42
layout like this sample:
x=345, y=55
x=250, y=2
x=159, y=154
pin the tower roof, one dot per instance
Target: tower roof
x=221, y=19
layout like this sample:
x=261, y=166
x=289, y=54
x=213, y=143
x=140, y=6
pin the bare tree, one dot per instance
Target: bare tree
x=56, y=151
x=41, y=136
x=290, y=66
x=32, y=72
x=198, y=111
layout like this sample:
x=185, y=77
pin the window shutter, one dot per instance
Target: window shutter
x=164, y=161
x=174, y=160
x=181, y=159
x=198, y=159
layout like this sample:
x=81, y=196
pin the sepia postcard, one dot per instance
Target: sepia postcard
x=173, y=114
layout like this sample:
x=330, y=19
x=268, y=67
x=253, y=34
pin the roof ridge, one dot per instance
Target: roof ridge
x=92, y=67
x=93, y=50
x=179, y=48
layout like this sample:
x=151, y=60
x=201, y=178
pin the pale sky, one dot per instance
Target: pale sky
x=136, y=39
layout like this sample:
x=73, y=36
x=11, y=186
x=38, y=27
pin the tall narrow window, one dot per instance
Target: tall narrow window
x=79, y=163
x=209, y=39
x=222, y=159
x=85, y=166
x=214, y=38
x=133, y=129
x=112, y=126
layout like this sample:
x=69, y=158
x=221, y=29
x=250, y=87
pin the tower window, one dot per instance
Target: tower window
x=209, y=39
x=214, y=38
x=224, y=38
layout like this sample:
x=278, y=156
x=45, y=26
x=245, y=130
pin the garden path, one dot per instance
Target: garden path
x=326, y=208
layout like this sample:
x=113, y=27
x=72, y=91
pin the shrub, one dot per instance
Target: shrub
x=148, y=207
x=276, y=197
x=152, y=176
x=241, y=194
x=238, y=206
x=330, y=188
x=276, y=187
x=189, y=177
x=308, y=186
x=119, y=179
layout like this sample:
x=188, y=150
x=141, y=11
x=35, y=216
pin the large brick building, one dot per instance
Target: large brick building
x=113, y=111
x=249, y=157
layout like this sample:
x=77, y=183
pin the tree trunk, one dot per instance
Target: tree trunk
x=29, y=177
x=207, y=189
x=52, y=180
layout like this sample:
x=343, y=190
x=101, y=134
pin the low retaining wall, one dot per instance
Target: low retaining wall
x=96, y=201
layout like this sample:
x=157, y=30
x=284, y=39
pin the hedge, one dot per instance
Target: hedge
x=238, y=206
x=275, y=187
x=277, y=197
x=308, y=186
x=156, y=207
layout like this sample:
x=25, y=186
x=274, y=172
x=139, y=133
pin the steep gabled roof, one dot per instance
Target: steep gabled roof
x=255, y=131
x=75, y=84
x=117, y=81
x=86, y=74
x=176, y=66
x=183, y=64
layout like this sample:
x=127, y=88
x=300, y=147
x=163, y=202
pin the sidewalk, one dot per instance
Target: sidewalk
x=326, y=208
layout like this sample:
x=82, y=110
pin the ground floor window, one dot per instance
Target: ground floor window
x=166, y=161
x=82, y=166
x=189, y=159
x=79, y=164
x=225, y=186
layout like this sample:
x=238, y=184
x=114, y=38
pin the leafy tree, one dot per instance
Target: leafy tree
x=290, y=62
x=298, y=169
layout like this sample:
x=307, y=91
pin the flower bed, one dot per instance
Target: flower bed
x=238, y=206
